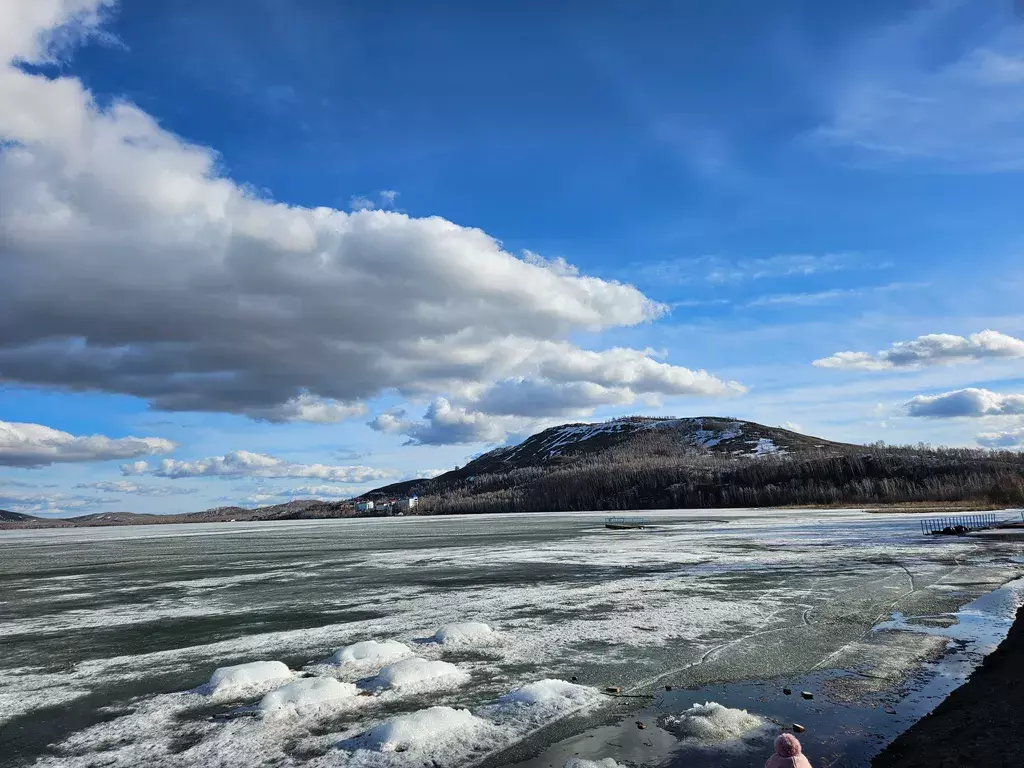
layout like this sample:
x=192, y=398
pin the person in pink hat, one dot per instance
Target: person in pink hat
x=788, y=753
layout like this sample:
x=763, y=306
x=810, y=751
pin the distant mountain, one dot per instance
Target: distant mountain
x=570, y=443
x=645, y=463
x=113, y=518
x=15, y=517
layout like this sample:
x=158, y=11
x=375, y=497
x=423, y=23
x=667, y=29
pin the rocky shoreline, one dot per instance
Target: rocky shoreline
x=978, y=724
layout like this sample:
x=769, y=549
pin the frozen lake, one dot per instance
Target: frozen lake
x=109, y=633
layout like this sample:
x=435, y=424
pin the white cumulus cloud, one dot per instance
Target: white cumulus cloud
x=447, y=424
x=124, y=486
x=970, y=402
x=1008, y=438
x=247, y=464
x=133, y=266
x=33, y=445
x=931, y=349
x=309, y=408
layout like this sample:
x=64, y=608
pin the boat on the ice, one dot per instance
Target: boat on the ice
x=627, y=523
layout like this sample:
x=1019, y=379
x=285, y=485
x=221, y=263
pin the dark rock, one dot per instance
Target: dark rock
x=807, y=694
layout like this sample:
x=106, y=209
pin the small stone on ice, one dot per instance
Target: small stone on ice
x=797, y=728
x=787, y=691
x=807, y=694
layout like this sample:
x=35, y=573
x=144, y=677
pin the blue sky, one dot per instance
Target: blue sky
x=311, y=247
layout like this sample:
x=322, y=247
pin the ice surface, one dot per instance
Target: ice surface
x=420, y=674
x=462, y=634
x=24, y=689
x=371, y=652
x=307, y=695
x=714, y=594
x=579, y=762
x=253, y=673
x=711, y=723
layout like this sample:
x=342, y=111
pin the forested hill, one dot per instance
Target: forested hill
x=641, y=463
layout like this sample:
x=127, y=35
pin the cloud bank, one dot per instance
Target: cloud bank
x=247, y=464
x=969, y=402
x=124, y=486
x=133, y=266
x=931, y=349
x=33, y=445
x=1010, y=438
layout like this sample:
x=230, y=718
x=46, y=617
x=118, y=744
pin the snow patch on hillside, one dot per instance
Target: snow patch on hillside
x=764, y=447
x=709, y=438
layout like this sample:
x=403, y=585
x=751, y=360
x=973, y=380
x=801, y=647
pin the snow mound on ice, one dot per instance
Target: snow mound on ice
x=541, y=702
x=307, y=694
x=579, y=762
x=459, y=634
x=439, y=734
x=371, y=652
x=711, y=723
x=246, y=675
x=548, y=693
x=420, y=673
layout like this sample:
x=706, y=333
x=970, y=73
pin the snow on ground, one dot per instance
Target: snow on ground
x=418, y=674
x=579, y=762
x=307, y=695
x=253, y=674
x=464, y=634
x=711, y=723
x=369, y=653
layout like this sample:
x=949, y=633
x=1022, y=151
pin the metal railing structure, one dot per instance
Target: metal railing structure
x=959, y=523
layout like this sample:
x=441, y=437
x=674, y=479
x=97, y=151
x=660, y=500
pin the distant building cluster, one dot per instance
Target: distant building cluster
x=389, y=506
